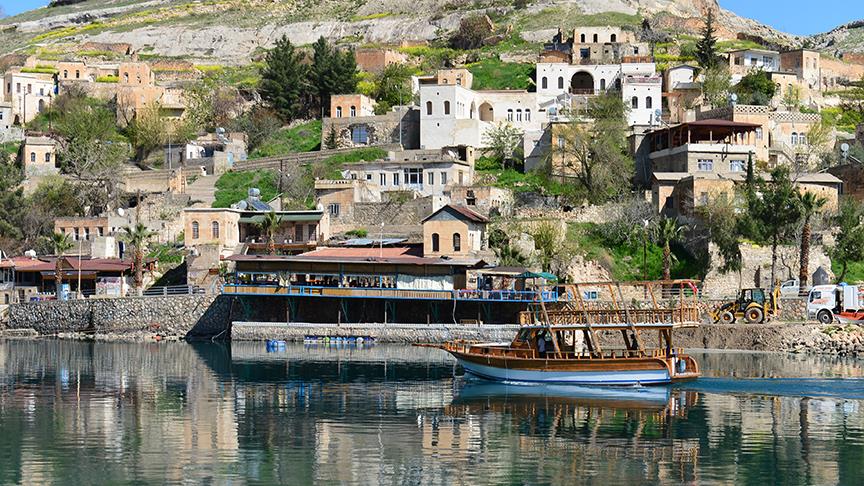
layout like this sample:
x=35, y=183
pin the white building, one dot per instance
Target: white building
x=682, y=76
x=743, y=61
x=28, y=93
x=5, y=115
x=425, y=172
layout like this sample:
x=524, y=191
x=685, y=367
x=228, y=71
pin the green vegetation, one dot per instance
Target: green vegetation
x=623, y=259
x=380, y=15
x=108, y=79
x=40, y=70
x=360, y=155
x=854, y=271
x=8, y=150
x=495, y=74
x=569, y=17
x=533, y=181
x=166, y=254
x=305, y=137
x=357, y=233
x=234, y=186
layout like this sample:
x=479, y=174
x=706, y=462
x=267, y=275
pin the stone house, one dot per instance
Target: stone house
x=95, y=236
x=743, y=61
x=351, y=105
x=375, y=60
x=805, y=64
x=424, y=172
x=454, y=231
x=39, y=156
x=486, y=200
x=215, y=152
x=399, y=126
x=29, y=93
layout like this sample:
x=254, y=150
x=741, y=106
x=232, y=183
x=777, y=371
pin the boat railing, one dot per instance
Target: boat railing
x=274, y=288
x=528, y=353
x=592, y=316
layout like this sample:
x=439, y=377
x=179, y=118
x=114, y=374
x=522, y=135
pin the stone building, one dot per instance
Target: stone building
x=97, y=236
x=399, y=126
x=805, y=64
x=39, y=156
x=374, y=60
x=743, y=61
x=351, y=105
x=5, y=118
x=486, y=200
x=454, y=231
x=29, y=93
x=424, y=172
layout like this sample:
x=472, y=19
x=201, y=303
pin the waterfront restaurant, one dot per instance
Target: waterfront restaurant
x=97, y=276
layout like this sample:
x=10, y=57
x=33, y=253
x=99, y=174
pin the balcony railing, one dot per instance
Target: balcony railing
x=389, y=293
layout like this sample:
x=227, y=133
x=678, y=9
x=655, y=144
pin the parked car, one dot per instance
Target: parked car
x=792, y=288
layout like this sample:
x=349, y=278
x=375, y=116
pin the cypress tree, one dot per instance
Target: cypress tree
x=284, y=80
x=333, y=72
x=706, y=48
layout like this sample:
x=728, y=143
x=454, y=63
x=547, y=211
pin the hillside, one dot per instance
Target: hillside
x=233, y=31
x=846, y=40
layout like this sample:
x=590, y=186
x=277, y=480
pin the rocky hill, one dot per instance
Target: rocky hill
x=846, y=41
x=232, y=31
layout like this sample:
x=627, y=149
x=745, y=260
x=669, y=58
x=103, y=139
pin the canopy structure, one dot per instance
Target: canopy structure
x=543, y=275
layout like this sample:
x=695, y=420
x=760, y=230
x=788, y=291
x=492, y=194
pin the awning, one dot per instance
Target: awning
x=290, y=218
x=543, y=275
x=70, y=274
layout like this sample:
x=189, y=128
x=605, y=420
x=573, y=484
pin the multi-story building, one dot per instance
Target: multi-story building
x=39, y=156
x=29, y=93
x=743, y=61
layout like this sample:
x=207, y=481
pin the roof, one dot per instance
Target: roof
x=371, y=256
x=716, y=122
x=372, y=241
x=755, y=50
x=504, y=270
x=39, y=141
x=364, y=252
x=461, y=211
x=283, y=217
x=669, y=176
x=49, y=263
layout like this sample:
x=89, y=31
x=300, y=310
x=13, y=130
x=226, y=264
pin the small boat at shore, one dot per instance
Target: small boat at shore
x=568, y=345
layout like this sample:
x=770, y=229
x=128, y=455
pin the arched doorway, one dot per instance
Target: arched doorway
x=486, y=112
x=582, y=83
x=472, y=111
x=41, y=106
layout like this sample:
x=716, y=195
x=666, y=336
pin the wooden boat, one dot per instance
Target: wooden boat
x=591, y=362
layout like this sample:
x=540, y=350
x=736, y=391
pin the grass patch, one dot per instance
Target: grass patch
x=380, y=15
x=533, y=181
x=736, y=45
x=301, y=138
x=108, y=79
x=569, y=18
x=495, y=74
x=7, y=150
x=624, y=260
x=360, y=155
x=234, y=186
x=40, y=70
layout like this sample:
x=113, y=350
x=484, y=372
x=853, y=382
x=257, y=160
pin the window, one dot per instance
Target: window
x=77, y=234
x=360, y=135
x=602, y=84
x=635, y=50
x=470, y=198
x=32, y=156
x=65, y=74
x=395, y=178
x=794, y=138
x=87, y=234
x=582, y=38
x=125, y=77
x=214, y=229
x=457, y=242
x=338, y=112
x=634, y=102
x=29, y=88
x=101, y=231
x=613, y=38
x=561, y=142
x=737, y=166
x=544, y=82
x=802, y=139
x=41, y=91
x=509, y=114
x=705, y=165
x=595, y=38
x=195, y=234
x=527, y=115
x=77, y=74
x=585, y=53
x=518, y=115
x=333, y=209
x=430, y=178
x=313, y=231
x=369, y=176
x=443, y=178
x=352, y=111
x=560, y=83
x=298, y=233
x=759, y=133
x=382, y=179
x=703, y=198
x=17, y=87
x=48, y=157
x=414, y=176
x=649, y=102
x=446, y=107
x=767, y=61
x=436, y=243
x=428, y=107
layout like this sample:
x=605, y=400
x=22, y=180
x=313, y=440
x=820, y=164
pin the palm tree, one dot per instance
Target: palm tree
x=61, y=244
x=665, y=231
x=138, y=237
x=270, y=225
x=810, y=205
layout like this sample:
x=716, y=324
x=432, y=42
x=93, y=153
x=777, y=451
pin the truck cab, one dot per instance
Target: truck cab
x=825, y=303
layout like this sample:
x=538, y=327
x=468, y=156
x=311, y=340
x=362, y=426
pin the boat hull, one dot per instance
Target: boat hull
x=647, y=376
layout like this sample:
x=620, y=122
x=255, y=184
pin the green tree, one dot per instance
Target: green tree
x=792, y=97
x=96, y=168
x=720, y=219
x=61, y=244
x=284, y=80
x=333, y=71
x=471, y=32
x=775, y=210
x=504, y=142
x=849, y=241
x=716, y=84
x=393, y=87
x=706, y=47
x=666, y=231
x=756, y=88
x=595, y=152
x=549, y=242
x=811, y=205
x=270, y=225
x=259, y=124
x=138, y=237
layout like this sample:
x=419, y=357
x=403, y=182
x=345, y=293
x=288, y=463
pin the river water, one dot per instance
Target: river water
x=107, y=413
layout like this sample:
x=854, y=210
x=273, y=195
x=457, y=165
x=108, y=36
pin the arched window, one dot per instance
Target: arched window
x=509, y=114
x=353, y=111
x=613, y=38
x=802, y=139
x=214, y=229
x=544, y=82
x=595, y=38
x=65, y=74
x=560, y=83
x=602, y=84
x=48, y=157
x=446, y=107
x=428, y=107
x=582, y=38
x=125, y=77
x=794, y=138
x=518, y=115
x=338, y=112
x=527, y=115
x=32, y=156
x=648, y=102
x=436, y=243
x=457, y=242
x=634, y=102
x=195, y=233
x=77, y=74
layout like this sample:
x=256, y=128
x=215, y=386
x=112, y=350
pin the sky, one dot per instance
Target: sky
x=802, y=17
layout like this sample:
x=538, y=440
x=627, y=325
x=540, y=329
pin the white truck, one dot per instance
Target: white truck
x=844, y=303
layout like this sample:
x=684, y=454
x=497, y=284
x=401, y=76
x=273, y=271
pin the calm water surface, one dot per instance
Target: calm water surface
x=85, y=413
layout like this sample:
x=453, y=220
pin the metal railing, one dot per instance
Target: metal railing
x=388, y=293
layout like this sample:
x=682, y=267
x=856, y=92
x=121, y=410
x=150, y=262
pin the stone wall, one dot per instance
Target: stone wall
x=381, y=129
x=391, y=333
x=184, y=316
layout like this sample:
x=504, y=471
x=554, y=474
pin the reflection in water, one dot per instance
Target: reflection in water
x=81, y=413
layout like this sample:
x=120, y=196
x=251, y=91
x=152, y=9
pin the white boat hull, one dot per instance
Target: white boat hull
x=634, y=377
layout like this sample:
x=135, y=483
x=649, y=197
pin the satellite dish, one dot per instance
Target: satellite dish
x=121, y=212
x=30, y=253
x=844, y=147
x=242, y=205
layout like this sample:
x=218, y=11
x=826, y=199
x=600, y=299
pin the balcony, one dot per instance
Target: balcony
x=275, y=289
